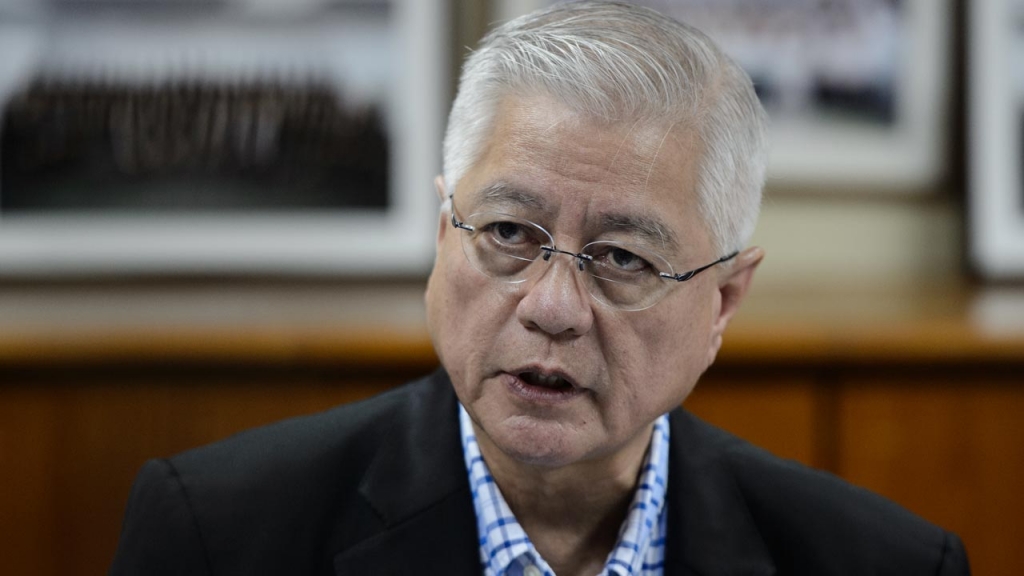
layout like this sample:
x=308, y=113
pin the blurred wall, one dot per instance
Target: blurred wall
x=870, y=241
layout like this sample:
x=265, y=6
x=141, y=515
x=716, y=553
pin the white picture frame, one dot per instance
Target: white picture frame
x=995, y=80
x=908, y=156
x=397, y=240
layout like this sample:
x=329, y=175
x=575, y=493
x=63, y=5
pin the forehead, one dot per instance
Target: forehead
x=548, y=158
x=541, y=145
x=541, y=131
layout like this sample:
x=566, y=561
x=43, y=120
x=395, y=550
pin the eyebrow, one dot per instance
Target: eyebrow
x=505, y=193
x=649, y=229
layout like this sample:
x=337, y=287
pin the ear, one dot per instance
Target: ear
x=733, y=284
x=442, y=227
x=442, y=194
x=442, y=223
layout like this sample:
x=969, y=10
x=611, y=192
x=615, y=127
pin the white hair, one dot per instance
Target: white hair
x=620, y=62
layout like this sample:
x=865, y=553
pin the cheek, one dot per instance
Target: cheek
x=670, y=353
x=464, y=311
x=442, y=292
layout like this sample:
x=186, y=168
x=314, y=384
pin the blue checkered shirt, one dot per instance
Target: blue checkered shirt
x=506, y=550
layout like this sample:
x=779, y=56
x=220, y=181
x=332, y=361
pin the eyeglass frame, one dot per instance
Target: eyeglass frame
x=581, y=257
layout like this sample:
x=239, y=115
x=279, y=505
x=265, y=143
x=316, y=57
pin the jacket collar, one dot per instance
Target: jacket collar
x=417, y=484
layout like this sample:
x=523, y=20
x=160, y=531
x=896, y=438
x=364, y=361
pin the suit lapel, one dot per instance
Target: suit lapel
x=710, y=530
x=417, y=485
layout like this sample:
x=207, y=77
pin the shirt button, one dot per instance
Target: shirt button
x=531, y=570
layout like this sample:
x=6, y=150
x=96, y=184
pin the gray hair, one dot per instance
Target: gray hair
x=620, y=62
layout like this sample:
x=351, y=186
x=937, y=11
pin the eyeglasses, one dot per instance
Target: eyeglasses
x=620, y=275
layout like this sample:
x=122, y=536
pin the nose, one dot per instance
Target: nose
x=556, y=302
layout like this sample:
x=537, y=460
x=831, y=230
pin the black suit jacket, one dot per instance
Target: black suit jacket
x=380, y=487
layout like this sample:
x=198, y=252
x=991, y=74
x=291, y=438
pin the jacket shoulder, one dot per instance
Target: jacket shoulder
x=339, y=439
x=814, y=522
x=282, y=498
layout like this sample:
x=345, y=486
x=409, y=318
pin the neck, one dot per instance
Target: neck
x=573, y=513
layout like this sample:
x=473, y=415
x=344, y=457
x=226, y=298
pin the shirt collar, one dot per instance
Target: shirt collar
x=506, y=549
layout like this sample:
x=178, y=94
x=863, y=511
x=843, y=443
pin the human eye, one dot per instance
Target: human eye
x=506, y=233
x=626, y=260
x=622, y=260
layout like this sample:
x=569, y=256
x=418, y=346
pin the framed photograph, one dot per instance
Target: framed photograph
x=857, y=89
x=220, y=136
x=996, y=138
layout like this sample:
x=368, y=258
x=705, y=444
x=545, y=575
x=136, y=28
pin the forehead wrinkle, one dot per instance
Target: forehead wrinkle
x=621, y=144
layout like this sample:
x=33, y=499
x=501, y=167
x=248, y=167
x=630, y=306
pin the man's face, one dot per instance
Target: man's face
x=583, y=181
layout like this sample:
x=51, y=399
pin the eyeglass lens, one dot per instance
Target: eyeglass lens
x=507, y=248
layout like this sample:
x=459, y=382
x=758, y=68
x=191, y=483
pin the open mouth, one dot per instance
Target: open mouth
x=543, y=387
x=552, y=381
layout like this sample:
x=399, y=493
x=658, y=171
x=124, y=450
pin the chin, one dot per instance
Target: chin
x=536, y=444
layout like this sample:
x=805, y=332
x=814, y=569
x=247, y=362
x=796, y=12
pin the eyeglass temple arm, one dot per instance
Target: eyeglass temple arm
x=455, y=222
x=684, y=276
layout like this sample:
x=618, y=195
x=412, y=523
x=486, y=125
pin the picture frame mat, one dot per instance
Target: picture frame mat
x=825, y=156
x=996, y=112
x=398, y=240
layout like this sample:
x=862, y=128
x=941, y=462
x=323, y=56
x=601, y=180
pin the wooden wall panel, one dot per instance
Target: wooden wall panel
x=951, y=450
x=28, y=465
x=70, y=453
x=779, y=414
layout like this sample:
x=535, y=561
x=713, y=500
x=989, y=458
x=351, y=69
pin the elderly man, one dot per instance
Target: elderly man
x=602, y=172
